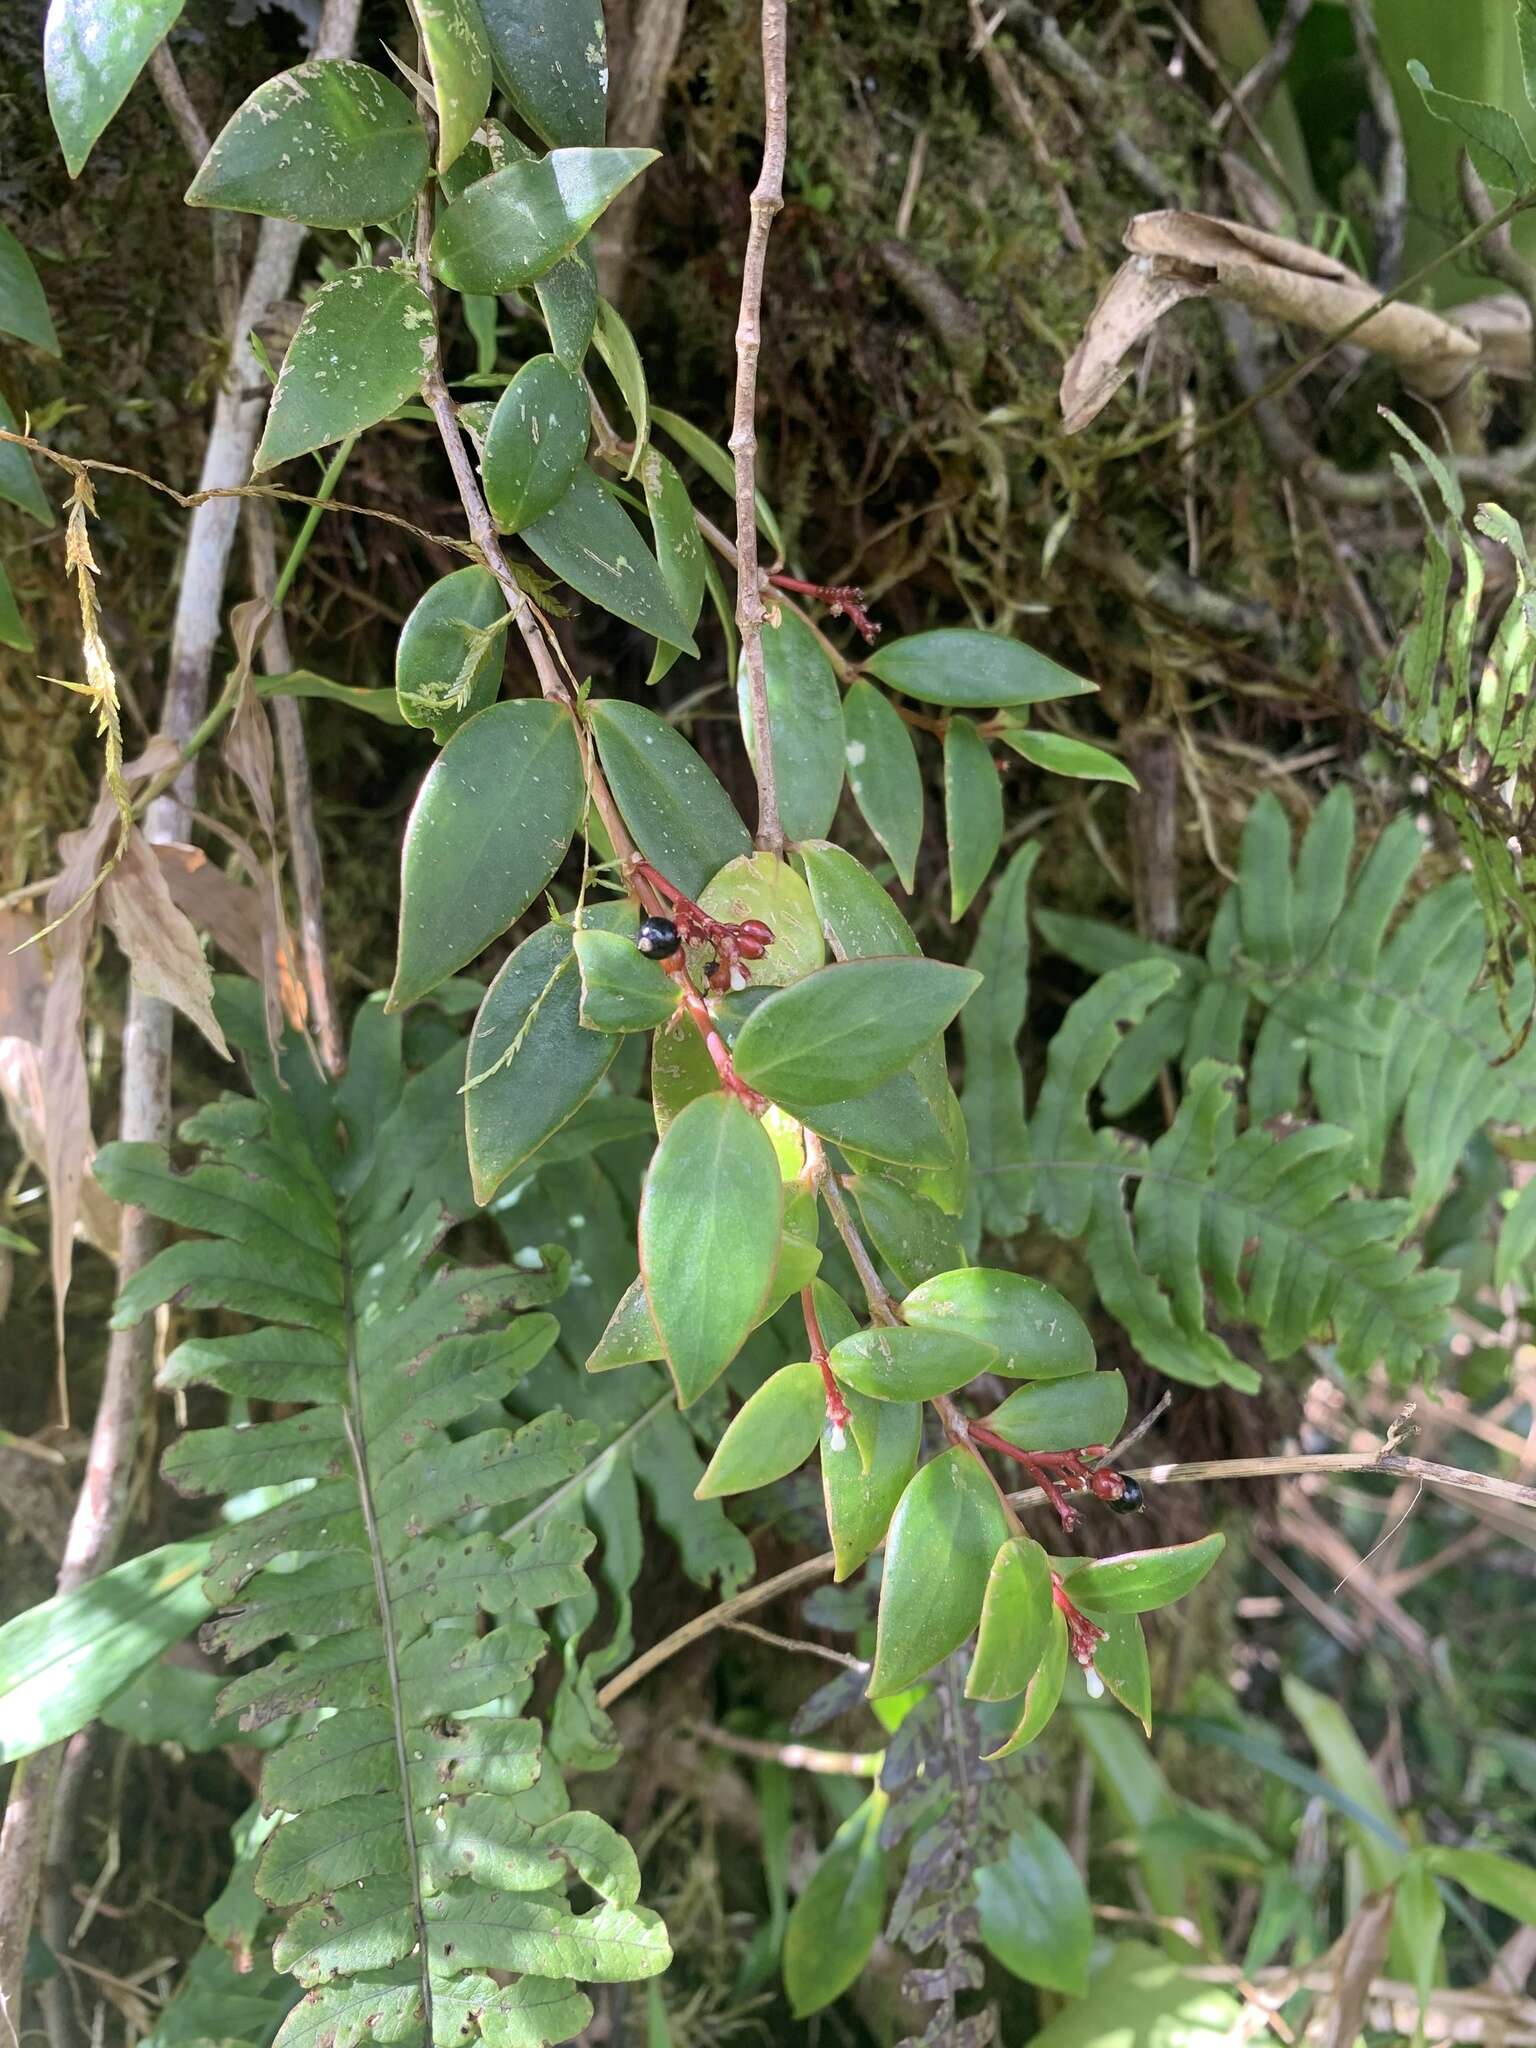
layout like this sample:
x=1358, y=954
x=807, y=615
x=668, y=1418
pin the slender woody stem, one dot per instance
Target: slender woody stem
x=767, y=198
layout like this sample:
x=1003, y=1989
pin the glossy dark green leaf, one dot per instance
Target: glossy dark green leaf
x=12, y=632
x=909, y=1365
x=1144, y=1579
x=716, y=464
x=1059, y=754
x=631, y=1336
x=769, y=1435
x=536, y=442
x=23, y=309
x=836, y=1920
x=1042, y=1696
x=361, y=350
x=590, y=541
x=567, y=298
x=18, y=479
x=944, y=1536
x=531, y=1064
x=858, y=917
x=758, y=885
x=517, y=224
x=960, y=666
x=331, y=143
x=864, y=1477
x=551, y=57
x=1015, y=1622
x=912, y=1235
x=679, y=550
x=449, y=656
x=895, y=1123
x=883, y=774
x=616, y=346
x=973, y=812
x=682, y=820
x=490, y=826
x=459, y=60
x=1037, y=1331
x=620, y=989
x=851, y=1025
x=1034, y=1911
x=93, y=50
x=709, y=1237
x=805, y=718
x=1063, y=1415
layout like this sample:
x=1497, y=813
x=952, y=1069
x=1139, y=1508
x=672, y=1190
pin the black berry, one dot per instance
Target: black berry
x=658, y=939
x=1130, y=1501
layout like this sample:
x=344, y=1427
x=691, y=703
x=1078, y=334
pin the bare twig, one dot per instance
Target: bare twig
x=795, y=1756
x=1253, y=90
x=796, y=1646
x=1392, y=176
x=767, y=198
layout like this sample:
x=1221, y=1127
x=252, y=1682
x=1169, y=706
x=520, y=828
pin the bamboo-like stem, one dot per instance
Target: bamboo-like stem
x=767, y=198
x=794, y=1756
x=1197, y=1472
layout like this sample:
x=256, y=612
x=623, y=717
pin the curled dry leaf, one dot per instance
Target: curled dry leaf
x=161, y=945
x=228, y=911
x=1177, y=256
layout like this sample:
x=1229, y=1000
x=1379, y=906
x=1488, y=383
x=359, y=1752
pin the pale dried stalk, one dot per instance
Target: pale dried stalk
x=767, y=198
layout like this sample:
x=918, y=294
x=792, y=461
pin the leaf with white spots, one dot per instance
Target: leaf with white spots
x=518, y=223
x=535, y=443
x=330, y=143
x=679, y=550
x=93, y=50
x=551, y=56
x=590, y=541
x=459, y=59
x=362, y=349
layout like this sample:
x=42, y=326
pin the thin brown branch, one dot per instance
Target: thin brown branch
x=796, y=1647
x=794, y=1756
x=767, y=198
x=1392, y=174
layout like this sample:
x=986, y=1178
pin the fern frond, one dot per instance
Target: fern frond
x=1376, y=1015
x=422, y=1839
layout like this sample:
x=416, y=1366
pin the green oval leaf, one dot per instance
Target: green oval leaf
x=1144, y=1579
x=836, y=1920
x=517, y=224
x=361, y=350
x=883, y=774
x=23, y=309
x=682, y=820
x=709, y=1237
x=93, y=50
x=1063, y=1415
x=459, y=60
x=860, y=1020
x=681, y=1070
x=1034, y=1912
x=567, y=297
x=620, y=989
x=858, y=917
x=590, y=541
x=536, y=442
x=531, y=1065
x=1015, y=1622
x=864, y=1477
x=1038, y=1332
x=970, y=669
x=448, y=660
x=1121, y=1662
x=490, y=826
x=805, y=720
x=973, y=812
x=913, y=1235
x=1059, y=754
x=944, y=1536
x=909, y=1365
x=552, y=62
x=1042, y=1696
x=769, y=1435
x=330, y=143
x=895, y=1123
x=62, y=1660
x=757, y=885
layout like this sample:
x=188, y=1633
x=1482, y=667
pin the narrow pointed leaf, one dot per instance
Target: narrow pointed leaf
x=514, y=226
x=709, y=1237
x=805, y=719
x=1144, y=1579
x=682, y=820
x=93, y=50
x=1015, y=1622
x=23, y=308
x=362, y=349
x=679, y=549
x=448, y=660
x=459, y=59
x=962, y=667
x=12, y=632
x=616, y=346
x=973, y=812
x=861, y=1496
x=18, y=479
x=552, y=61
x=1060, y=754
x=884, y=776
x=836, y=1920
x=860, y=1020
x=331, y=143
x=567, y=297
x=490, y=826
x=938, y=1556
x=1043, y=1694
x=590, y=541
x=1037, y=1332
x=535, y=443
x=769, y=1435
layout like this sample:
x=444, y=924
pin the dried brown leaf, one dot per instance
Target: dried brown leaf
x=228, y=911
x=1358, y=1957
x=162, y=948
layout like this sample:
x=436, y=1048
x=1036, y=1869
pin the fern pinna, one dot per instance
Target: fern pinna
x=424, y=1845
